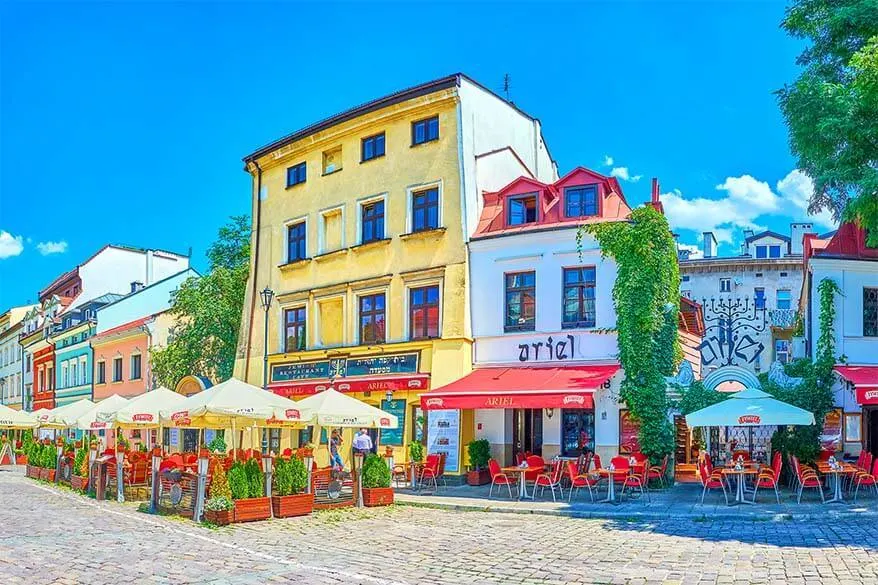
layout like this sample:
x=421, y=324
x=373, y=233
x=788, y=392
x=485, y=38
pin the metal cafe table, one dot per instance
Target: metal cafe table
x=742, y=473
x=611, y=475
x=521, y=471
x=837, y=472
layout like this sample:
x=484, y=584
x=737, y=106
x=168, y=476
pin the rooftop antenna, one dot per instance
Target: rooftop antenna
x=507, y=81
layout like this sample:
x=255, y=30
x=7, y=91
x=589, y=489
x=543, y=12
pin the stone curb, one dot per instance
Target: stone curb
x=638, y=515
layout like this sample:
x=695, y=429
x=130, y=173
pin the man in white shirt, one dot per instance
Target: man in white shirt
x=363, y=442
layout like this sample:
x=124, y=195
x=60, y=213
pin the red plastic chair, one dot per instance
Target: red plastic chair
x=550, y=480
x=536, y=463
x=825, y=454
x=807, y=479
x=620, y=464
x=637, y=480
x=868, y=480
x=430, y=471
x=711, y=482
x=499, y=478
x=658, y=472
x=578, y=481
x=769, y=477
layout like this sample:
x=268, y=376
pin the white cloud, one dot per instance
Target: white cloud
x=695, y=252
x=47, y=248
x=796, y=188
x=608, y=160
x=719, y=216
x=622, y=173
x=748, y=191
x=10, y=245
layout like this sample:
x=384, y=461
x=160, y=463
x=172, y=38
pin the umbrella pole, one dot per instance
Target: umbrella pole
x=234, y=451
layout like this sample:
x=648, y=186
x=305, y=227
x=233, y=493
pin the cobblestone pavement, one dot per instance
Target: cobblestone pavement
x=48, y=535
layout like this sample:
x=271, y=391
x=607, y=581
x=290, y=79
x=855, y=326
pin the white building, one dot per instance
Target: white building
x=749, y=300
x=546, y=375
x=11, y=365
x=853, y=266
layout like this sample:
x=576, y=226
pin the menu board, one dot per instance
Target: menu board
x=174, y=438
x=394, y=437
x=443, y=436
x=628, y=430
x=831, y=437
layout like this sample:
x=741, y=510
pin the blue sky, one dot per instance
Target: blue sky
x=126, y=123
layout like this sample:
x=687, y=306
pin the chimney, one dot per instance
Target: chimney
x=136, y=286
x=745, y=247
x=655, y=201
x=709, y=245
x=149, y=262
x=797, y=236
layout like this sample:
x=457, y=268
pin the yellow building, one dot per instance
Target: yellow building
x=360, y=225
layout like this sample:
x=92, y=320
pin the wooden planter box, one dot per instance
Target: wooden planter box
x=295, y=505
x=47, y=475
x=43, y=474
x=219, y=517
x=32, y=472
x=251, y=509
x=377, y=497
x=79, y=483
x=480, y=477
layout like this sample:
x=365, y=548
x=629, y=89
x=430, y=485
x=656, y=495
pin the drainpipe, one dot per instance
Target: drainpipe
x=253, y=292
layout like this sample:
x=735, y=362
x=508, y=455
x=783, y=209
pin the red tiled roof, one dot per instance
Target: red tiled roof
x=690, y=318
x=125, y=327
x=612, y=205
x=849, y=241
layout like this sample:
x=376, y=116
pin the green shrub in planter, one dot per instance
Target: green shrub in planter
x=376, y=473
x=298, y=475
x=255, y=480
x=219, y=483
x=217, y=444
x=479, y=453
x=416, y=451
x=219, y=504
x=78, y=459
x=49, y=457
x=238, y=483
x=282, y=480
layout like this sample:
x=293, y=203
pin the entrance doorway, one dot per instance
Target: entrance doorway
x=527, y=430
x=870, y=429
x=577, y=432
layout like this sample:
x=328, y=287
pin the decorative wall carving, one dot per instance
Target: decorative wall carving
x=732, y=331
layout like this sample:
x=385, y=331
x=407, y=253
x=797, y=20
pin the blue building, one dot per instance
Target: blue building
x=73, y=354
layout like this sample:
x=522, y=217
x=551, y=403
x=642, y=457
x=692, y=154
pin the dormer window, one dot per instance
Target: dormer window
x=581, y=201
x=522, y=209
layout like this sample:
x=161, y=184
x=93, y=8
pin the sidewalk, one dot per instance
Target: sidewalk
x=679, y=502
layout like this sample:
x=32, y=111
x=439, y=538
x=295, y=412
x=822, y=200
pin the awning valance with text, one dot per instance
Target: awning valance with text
x=569, y=386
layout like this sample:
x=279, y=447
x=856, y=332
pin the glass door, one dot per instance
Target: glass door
x=577, y=432
x=527, y=431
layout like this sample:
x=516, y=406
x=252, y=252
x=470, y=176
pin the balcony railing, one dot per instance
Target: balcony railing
x=782, y=318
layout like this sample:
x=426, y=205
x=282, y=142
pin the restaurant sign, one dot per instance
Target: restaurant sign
x=749, y=419
x=403, y=363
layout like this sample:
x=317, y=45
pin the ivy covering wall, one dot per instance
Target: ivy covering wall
x=646, y=296
x=815, y=391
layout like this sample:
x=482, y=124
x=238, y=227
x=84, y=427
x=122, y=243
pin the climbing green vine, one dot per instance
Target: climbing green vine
x=815, y=392
x=647, y=300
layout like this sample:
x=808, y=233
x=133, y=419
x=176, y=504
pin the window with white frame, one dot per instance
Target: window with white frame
x=725, y=285
x=372, y=317
x=136, y=372
x=64, y=381
x=297, y=238
x=371, y=220
x=83, y=371
x=782, y=350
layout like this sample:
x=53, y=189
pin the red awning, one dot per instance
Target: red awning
x=522, y=387
x=864, y=379
x=415, y=382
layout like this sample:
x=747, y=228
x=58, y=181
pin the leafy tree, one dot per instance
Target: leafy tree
x=208, y=312
x=832, y=108
x=646, y=295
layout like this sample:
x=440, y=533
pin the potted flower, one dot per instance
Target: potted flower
x=479, y=453
x=122, y=443
x=79, y=476
x=217, y=446
x=247, y=483
x=288, y=489
x=376, y=482
x=306, y=450
x=219, y=508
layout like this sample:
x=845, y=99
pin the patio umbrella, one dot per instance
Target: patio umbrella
x=65, y=416
x=143, y=411
x=42, y=415
x=750, y=408
x=331, y=408
x=16, y=419
x=95, y=417
x=235, y=402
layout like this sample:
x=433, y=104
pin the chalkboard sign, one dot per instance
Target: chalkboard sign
x=394, y=437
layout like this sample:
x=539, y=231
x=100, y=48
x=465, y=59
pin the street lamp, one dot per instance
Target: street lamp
x=266, y=295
